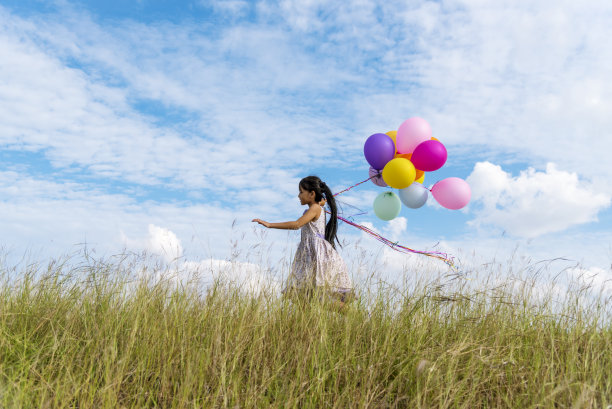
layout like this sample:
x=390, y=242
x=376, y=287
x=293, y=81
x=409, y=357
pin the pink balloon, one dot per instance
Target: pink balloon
x=411, y=133
x=429, y=156
x=377, y=179
x=452, y=193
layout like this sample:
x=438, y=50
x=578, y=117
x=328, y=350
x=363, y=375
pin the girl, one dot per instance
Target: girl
x=317, y=265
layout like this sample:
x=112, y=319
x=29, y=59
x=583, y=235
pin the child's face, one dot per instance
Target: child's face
x=306, y=197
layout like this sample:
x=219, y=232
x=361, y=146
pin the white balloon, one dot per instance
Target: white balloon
x=414, y=196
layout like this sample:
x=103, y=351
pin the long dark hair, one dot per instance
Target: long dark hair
x=314, y=184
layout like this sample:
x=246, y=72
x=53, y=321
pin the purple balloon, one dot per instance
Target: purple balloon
x=429, y=156
x=377, y=178
x=452, y=193
x=378, y=150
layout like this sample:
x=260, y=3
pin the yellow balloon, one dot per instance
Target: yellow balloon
x=419, y=173
x=421, y=179
x=399, y=173
x=393, y=135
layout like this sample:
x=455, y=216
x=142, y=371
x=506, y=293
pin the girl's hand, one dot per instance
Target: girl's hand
x=263, y=223
x=322, y=202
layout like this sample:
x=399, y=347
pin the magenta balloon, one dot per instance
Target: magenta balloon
x=452, y=193
x=377, y=179
x=378, y=150
x=429, y=156
x=411, y=133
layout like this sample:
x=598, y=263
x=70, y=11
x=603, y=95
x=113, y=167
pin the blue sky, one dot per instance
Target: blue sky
x=119, y=118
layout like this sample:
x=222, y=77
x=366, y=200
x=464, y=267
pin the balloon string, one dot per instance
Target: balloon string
x=447, y=259
x=349, y=188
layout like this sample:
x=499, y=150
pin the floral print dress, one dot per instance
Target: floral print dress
x=317, y=264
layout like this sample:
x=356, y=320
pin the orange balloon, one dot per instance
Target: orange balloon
x=435, y=139
x=420, y=179
x=403, y=155
x=393, y=135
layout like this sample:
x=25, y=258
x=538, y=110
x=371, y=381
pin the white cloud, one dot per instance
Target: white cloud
x=205, y=275
x=55, y=216
x=597, y=280
x=504, y=80
x=535, y=202
x=235, y=8
x=303, y=15
x=396, y=227
x=86, y=117
x=163, y=242
x=249, y=278
x=550, y=86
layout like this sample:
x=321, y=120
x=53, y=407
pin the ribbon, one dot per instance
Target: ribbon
x=446, y=258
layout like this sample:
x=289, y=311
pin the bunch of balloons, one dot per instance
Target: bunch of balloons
x=399, y=159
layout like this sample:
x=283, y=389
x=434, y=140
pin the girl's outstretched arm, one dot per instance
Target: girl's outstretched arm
x=310, y=214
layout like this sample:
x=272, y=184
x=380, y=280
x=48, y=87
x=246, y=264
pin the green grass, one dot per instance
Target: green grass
x=95, y=336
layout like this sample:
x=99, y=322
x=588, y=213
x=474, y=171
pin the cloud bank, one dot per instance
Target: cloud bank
x=533, y=203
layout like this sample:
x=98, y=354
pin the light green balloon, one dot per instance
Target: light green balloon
x=387, y=205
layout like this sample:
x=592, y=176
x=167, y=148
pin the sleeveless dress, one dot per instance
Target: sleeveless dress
x=317, y=264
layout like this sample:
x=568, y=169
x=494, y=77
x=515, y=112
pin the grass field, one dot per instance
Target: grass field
x=94, y=336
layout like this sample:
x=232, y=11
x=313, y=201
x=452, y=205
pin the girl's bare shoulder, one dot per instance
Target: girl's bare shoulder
x=316, y=210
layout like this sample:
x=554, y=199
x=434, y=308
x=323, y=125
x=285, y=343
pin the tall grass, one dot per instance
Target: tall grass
x=101, y=335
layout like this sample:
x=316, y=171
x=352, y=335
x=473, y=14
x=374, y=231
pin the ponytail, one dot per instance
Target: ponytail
x=322, y=191
x=331, y=228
